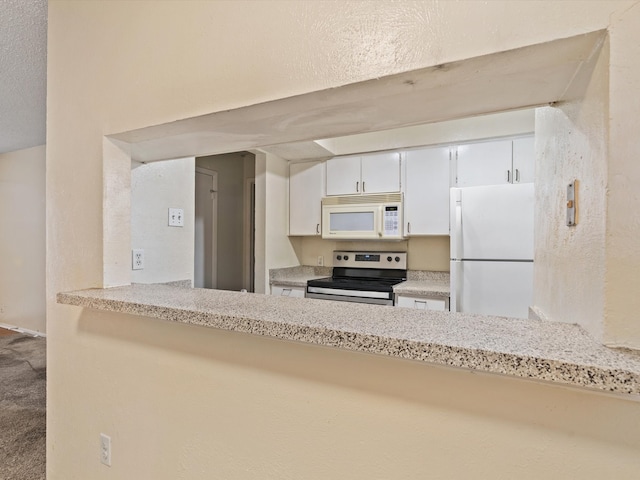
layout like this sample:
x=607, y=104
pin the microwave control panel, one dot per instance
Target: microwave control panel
x=392, y=221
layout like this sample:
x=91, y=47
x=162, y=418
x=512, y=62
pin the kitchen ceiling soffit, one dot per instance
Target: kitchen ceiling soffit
x=521, y=78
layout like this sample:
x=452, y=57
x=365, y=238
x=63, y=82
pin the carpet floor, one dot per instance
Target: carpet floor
x=22, y=407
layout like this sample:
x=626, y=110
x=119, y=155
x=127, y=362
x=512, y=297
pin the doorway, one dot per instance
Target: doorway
x=232, y=247
x=206, y=231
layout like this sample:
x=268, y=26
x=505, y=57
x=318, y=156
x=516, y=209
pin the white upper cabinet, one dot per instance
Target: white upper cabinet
x=524, y=160
x=426, y=198
x=370, y=173
x=381, y=172
x=486, y=163
x=306, y=188
x=343, y=175
x=495, y=163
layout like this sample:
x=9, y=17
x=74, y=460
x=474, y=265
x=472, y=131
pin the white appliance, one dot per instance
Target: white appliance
x=492, y=249
x=362, y=217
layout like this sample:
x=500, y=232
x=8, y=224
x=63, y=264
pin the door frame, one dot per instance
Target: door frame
x=214, y=223
x=248, y=243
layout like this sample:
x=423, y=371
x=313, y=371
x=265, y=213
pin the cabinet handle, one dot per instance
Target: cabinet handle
x=508, y=176
x=408, y=227
x=357, y=186
x=517, y=176
x=286, y=292
x=420, y=304
x=317, y=228
x=363, y=186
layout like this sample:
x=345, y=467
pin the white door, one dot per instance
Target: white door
x=204, y=270
x=493, y=222
x=493, y=288
x=524, y=159
x=426, y=198
x=306, y=185
x=486, y=163
x=380, y=173
x=343, y=176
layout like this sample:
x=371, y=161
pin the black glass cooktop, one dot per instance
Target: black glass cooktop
x=361, y=279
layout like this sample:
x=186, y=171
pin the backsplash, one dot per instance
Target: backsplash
x=423, y=253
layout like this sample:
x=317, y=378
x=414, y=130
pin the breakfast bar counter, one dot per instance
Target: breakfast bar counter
x=534, y=349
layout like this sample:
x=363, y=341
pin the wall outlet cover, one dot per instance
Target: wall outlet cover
x=105, y=449
x=137, y=259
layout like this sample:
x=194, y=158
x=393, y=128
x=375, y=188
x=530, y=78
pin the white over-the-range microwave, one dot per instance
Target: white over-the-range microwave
x=363, y=217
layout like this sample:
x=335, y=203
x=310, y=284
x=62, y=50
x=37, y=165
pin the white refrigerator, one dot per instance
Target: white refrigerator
x=492, y=249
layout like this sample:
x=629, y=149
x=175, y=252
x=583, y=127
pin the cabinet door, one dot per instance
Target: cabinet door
x=486, y=163
x=343, y=176
x=422, y=303
x=284, y=291
x=381, y=173
x=426, y=198
x=306, y=185
x=524, y=158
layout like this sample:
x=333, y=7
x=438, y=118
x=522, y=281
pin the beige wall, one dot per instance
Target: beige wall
x=168, y=251
x=22, y=239
x=187, y=402
x=623, y=195
x=423, y=253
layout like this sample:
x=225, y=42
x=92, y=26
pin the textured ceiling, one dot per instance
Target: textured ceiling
x=23, y=73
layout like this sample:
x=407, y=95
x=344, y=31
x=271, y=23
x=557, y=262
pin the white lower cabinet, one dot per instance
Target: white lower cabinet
x=285, y=291
x=422, y=303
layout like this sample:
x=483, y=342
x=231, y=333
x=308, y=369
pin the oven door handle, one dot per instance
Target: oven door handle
x=349, y=293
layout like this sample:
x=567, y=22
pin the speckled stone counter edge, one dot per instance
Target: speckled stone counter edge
x=617, y=380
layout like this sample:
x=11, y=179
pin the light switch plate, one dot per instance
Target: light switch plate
x=176, y=217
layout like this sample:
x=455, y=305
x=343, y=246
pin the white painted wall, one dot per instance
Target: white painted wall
x=272, y=218
x=181, y=401
x=22, y=239
x=168, y=251
x=461, y=130
x=570, y=261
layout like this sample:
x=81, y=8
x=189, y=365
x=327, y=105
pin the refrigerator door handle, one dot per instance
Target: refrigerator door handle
x=458, y=227
x=456, y=286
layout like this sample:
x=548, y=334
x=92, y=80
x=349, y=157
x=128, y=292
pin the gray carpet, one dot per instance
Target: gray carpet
x=22, y=407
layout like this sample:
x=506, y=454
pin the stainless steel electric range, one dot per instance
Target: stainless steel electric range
x=364, y=277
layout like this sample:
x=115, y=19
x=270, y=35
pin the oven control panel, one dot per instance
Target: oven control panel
x=359, y=259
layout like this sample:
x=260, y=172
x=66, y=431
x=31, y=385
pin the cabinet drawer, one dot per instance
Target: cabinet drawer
x=422, y=303
x=284, y=291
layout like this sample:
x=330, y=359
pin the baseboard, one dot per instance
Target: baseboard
x=26, y=331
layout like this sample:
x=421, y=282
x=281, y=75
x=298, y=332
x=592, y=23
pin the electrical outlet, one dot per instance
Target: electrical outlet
x=137, y=259
x=320, y=260
x=176, y=217
x=105, y=449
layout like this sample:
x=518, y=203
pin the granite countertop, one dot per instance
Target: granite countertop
x=424, y=283
x=535, y=349
x=297, y=276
